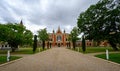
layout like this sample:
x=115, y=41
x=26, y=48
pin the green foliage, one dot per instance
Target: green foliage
x=27, y=37
x=43, y=36
x=74, y=36
x=100, y=20
x=115, y=57
x=22, y=50
x=3, y=59
x=15, y=34
x=35, y=43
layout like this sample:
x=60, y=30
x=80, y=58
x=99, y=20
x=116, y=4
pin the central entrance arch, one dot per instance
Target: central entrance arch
x=59, y=44
x=59, y=40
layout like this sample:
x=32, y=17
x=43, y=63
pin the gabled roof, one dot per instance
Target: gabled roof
x=59, y=31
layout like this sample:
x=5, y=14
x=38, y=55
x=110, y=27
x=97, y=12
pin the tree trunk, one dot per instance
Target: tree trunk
x=83, y=44
x=94, y=43
x=98, y=43
x=48, y=45
x=68, y=45
x=43, y=45
x=14, y=48
x=35, y=43
x=73, y=45
x=114, y=45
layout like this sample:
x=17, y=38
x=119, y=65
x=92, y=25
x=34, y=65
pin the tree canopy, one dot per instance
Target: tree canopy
x=43, y=36
x=15, y=34
x=102, y=22
x=74, y=36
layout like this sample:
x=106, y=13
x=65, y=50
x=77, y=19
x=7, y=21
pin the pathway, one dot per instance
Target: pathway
x=60, y=59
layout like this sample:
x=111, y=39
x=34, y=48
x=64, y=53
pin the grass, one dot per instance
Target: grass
x=22, y=51
x=94, y=49
x=3, y=59
x=115, y=57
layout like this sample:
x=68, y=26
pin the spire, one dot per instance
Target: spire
x=21, y=23
x=53, y=31
x=58, y=28
x=59, y=31
x=64, y=30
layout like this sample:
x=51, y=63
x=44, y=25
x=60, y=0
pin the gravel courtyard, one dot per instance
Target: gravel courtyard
x=60, y=59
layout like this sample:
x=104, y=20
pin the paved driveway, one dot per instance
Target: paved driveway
x=60, y=59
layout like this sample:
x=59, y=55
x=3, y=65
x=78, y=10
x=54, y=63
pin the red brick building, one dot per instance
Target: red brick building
x=58, y=38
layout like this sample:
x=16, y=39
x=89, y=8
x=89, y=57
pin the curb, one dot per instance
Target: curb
x=108, y=61
x=10, y=62
x=17, y=59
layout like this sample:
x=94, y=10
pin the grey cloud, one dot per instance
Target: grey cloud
x=4, y=12
x=56, y=12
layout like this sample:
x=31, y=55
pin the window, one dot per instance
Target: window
x=58, y=38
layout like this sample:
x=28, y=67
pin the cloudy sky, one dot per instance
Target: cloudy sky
x=39, y=14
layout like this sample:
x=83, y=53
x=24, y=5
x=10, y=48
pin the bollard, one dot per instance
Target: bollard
x=8, y=55
x=107, y=54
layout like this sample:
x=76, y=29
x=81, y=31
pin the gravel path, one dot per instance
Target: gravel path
x=60, y=59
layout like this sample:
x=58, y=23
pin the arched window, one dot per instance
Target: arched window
x=59, y=38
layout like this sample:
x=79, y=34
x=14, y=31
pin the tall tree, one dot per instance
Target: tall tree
x=102, y=22
x=43, y=36
x=35, y=43
x=74, y=36
x=13, y=34
x=83, y=44
x=27, y=36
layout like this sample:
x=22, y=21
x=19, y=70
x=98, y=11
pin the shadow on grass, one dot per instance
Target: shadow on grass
x=115, y=57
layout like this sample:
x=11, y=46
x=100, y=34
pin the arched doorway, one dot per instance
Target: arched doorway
x=59, y=39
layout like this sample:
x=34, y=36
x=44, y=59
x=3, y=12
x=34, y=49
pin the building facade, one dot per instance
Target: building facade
x=58, y=38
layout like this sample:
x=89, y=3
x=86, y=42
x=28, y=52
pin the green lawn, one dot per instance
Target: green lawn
x=95, y=49
x=22, y=51
x=115, y=57
x=3, y=59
